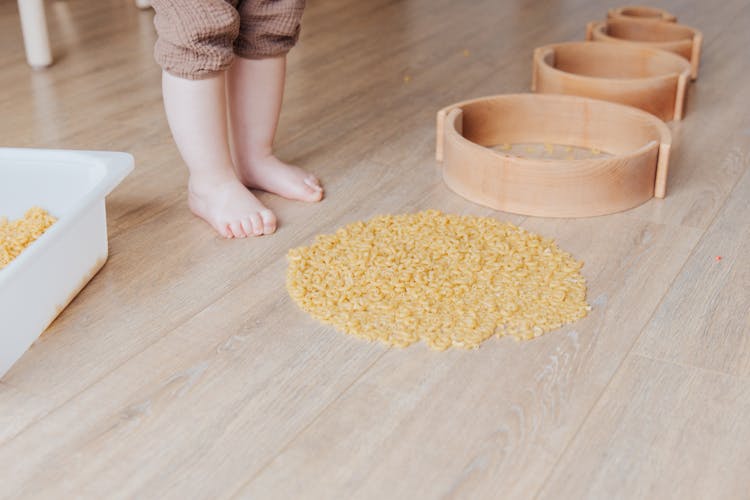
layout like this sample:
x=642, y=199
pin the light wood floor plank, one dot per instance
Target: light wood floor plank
x=661, y=431
x=18, y=408
x=704, y=320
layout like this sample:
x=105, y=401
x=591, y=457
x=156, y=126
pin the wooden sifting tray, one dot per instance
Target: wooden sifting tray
x=650, y=79
x=627, y=165
x=641, y=13
x=673, y=37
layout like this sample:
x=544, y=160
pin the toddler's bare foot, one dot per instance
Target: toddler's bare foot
x=230, y=208
x=268, y=173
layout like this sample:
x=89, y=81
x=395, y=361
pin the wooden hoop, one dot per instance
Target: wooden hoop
x=678, y=38
x=650, y=79
x=638, y=141
x=641, y=13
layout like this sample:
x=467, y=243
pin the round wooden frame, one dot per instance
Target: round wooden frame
x=650, y=79
x=637, y=171
x=641, y=13
x=678, y=38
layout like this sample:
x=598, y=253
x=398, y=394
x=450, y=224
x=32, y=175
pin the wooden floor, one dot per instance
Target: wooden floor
x=185, y=371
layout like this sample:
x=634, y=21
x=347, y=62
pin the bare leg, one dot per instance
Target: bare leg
x=196, y=111
x=256, y=89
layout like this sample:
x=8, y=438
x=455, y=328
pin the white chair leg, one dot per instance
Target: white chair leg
x=143, y=4
x=35, y=36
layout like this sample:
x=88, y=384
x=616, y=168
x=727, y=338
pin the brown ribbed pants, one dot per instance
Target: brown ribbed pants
x=199, y=38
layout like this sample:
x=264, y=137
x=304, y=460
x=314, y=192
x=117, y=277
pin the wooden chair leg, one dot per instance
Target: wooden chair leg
x=35, y=36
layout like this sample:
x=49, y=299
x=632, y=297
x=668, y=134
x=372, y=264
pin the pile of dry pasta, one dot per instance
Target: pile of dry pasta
x=16, y=235
x=448, y=280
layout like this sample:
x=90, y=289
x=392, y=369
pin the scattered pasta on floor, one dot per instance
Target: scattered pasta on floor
x=18, y=234
x=447, y=280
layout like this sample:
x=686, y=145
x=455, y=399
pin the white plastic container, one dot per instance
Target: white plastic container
x=46, y=276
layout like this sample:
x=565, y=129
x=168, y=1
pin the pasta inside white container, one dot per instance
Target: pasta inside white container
x=47, y=275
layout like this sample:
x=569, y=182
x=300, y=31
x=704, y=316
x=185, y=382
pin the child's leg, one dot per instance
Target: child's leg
x=196, y=111
x=195, y=47
x=268, y=29
x=255, y=94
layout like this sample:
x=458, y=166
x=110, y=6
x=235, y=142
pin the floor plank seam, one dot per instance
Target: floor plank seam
x=692, y=251
x=630, y=349
x=635, y=342
x=107, y=373
x=689, y=366
x=291, y=440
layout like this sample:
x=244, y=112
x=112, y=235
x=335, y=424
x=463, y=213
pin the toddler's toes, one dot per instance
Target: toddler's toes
x=230, y=208
x=272, y=175
x=269, y=221
x=310, y=191
x=313, y=182
x=257, y=224
x=225, y=231
x=237, y=230
x=247, y=225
